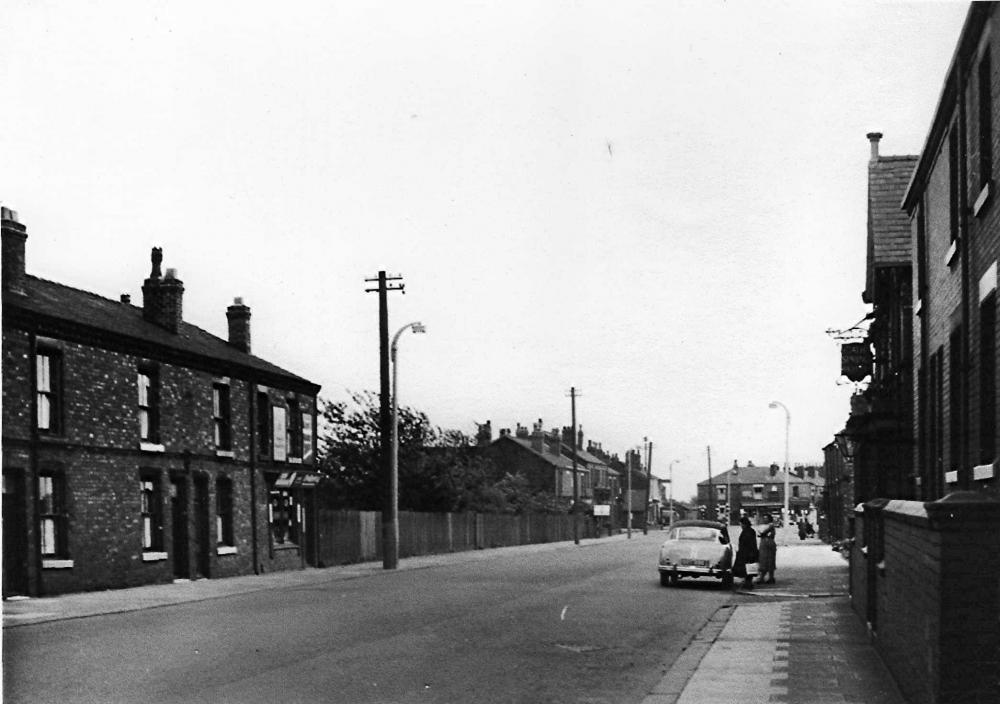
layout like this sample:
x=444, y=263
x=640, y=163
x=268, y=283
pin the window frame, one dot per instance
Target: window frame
x=984, y=79
x=49, y=390
x=150, y=405
x=224, y=533
x=283, y=502
x=53, y=538
x=987, y=378
x=222, y=420
x=294, y=429
x=151, y=511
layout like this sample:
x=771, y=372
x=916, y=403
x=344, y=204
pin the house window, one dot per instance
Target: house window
x=774, y=488
x=149, y=404
x=294, y=429
x=987, y=379
x=151, y=508
x=795, y=492
x=721, y=492
x=283, y=516
x=954, y=397
x=985, y=120
x=224, y=511
x=52, y=510
x=221, y=416
x=758, y=492
x=263, y=425
x=48, y=388
x=279, y=435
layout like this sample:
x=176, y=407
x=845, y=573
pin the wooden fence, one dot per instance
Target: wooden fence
x=345, y=537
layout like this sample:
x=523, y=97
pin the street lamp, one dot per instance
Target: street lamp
x=788, y=423
x=392, y=551
x=671, y=480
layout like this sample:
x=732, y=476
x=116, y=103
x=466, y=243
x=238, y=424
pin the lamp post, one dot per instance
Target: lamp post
x=670, y=478
x=788, y=424
x=392, y=550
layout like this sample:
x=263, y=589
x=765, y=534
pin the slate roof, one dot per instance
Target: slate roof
x=75, y=308
x=560, y=460
x=760, y=475
x=888, y=224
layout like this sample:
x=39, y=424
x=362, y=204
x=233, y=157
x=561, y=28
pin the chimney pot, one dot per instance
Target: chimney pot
x=126, y=298
x=873, y=138
x=163, y=299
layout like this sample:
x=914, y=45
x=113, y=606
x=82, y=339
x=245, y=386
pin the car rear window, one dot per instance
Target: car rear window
x=696, y=533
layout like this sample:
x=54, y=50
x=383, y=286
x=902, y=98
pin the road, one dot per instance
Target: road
x=563, y=623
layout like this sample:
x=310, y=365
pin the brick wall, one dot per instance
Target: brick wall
x=935, y=607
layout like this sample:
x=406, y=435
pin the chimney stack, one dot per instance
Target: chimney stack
x=538, y=437
x=874, y=138
x=14, y=236
x=238, y=316
x=163, y=298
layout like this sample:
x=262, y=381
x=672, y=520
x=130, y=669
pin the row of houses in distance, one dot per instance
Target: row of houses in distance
x=755, y=491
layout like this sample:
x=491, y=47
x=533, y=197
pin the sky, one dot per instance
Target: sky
x=659, y=204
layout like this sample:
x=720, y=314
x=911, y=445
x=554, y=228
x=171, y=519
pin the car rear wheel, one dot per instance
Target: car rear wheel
x=727, y=581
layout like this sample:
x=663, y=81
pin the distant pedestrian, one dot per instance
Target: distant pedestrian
x=746, y=553
x=768, y=551
x=802, y=529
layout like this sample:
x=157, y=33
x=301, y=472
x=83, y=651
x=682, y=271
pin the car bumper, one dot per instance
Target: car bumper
x=693, y=571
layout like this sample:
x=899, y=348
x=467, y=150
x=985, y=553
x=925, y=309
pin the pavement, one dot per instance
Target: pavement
x=796, y=641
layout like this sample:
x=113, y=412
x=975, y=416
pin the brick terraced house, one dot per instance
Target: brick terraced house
x=955, y=218
x=138, y=448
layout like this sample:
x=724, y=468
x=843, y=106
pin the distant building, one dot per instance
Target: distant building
x=755, y=491
x=538, y=456
x=138, y=448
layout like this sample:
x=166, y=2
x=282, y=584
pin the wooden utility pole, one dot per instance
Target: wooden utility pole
x=649, y=480
x=710, y=506
x=576, y=479
x=390, y=505
x=628, y=493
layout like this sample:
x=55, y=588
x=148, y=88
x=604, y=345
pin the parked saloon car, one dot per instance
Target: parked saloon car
x=696, y=548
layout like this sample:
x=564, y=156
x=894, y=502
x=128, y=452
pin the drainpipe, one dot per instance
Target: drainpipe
x=254, y=449
x=964, y=469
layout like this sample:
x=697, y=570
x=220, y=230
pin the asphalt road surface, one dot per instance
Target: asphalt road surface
x=578, y=624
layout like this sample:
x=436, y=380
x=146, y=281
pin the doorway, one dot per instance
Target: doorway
x=202, y=523
x=179, y=532
x=15, y=535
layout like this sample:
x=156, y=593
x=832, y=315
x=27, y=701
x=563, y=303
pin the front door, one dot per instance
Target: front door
x=15, y=536
x=202, y=519
x=179, y=518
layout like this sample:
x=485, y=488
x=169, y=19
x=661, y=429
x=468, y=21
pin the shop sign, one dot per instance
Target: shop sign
x=856, y=360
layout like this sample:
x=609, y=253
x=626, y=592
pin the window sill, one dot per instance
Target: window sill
x=151, y=447
x=951, y=477
x=982, y=199
x=949, y=258
x=919, y=307
x=225, y=550
x=983, y=471
x=225, y=453
x=286, y=546
x=57, y=564
x=153, y=556
x=294, y=460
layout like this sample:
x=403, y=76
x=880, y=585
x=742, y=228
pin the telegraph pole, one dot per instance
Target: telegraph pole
x=710, y=506
x=649, y=480
x=576, y=479
x=628, y=494
x=390, y=505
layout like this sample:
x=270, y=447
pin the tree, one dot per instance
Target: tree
x=439, y=470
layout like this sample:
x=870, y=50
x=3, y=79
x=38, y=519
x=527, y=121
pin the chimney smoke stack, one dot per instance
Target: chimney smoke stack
x=14, y=236
x=874, y=138
x=238, y=316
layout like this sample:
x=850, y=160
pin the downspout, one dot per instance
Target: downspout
x=965, y=479
x=254, y=449
x=35, y=586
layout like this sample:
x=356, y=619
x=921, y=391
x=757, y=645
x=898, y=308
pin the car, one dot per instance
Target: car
x=696, y=548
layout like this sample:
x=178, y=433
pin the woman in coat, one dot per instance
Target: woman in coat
x=746, y=553
x=768, y=551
